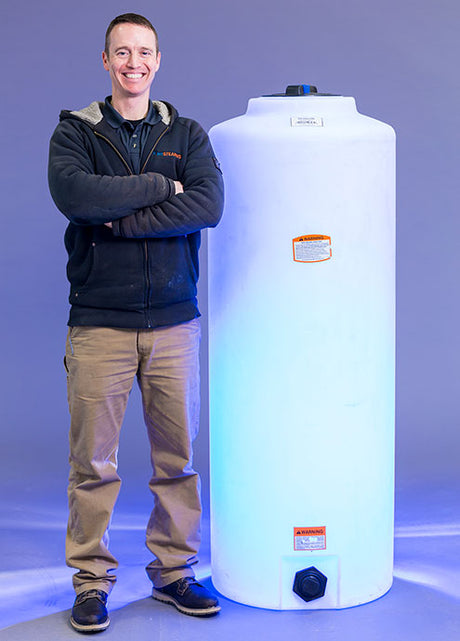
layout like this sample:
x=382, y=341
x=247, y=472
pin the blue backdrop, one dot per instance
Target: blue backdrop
x=400, y=62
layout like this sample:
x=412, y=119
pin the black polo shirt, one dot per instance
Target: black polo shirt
x=132, y=133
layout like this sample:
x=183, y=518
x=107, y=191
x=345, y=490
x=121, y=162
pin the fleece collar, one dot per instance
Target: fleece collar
x=93, y=113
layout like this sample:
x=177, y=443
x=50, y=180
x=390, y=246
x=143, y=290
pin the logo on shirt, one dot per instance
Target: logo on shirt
x=169, y=154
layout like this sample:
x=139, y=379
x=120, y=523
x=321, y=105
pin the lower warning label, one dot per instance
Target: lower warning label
x=310, y=538
x=312, y=248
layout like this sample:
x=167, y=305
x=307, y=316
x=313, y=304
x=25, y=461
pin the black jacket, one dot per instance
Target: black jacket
x=142, y=272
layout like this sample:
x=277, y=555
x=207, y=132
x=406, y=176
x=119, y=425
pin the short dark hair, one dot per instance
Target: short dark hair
x=130, y=18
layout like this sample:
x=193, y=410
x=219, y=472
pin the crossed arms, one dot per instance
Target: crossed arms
x=135, y=206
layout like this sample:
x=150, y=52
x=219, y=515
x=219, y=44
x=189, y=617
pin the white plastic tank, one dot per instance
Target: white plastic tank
x=301, y=308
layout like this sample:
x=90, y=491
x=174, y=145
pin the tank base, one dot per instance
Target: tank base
x=282, y=596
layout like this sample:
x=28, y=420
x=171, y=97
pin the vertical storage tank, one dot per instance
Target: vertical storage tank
x=301, y=308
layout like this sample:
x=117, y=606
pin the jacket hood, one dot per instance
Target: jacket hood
x=92, y=114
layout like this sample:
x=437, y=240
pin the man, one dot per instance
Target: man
x=137, y=183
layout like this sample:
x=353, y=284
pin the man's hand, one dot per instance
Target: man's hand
x=179, y=190
x=179, y=187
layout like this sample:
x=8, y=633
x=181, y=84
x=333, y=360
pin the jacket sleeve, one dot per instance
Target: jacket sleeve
x=198, y=207
x=86, y=198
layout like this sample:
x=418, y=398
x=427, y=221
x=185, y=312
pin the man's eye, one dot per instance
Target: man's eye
x=146, y=53
x=122, y=53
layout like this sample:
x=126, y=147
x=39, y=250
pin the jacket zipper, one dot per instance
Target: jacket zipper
x=146, y=248
x=153, y=148
x=116, y=151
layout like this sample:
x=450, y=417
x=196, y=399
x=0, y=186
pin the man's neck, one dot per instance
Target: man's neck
x=131, y=108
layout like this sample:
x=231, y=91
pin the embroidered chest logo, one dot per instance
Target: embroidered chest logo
x=170, y=154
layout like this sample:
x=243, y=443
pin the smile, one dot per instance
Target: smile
x=133, y=76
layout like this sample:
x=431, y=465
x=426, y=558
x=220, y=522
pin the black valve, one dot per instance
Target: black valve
x=310, y=584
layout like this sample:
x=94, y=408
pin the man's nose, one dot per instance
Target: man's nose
x=134, y=59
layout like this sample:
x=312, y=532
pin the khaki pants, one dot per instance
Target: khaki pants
x=101, y=366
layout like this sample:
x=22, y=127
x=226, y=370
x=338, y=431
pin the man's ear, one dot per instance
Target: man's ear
x=158, y=61
x=105, y=61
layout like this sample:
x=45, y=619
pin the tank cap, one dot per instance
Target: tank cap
x=300, y=90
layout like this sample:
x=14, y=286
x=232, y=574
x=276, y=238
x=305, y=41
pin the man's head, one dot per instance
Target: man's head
x=129, y=18
x=131, y=56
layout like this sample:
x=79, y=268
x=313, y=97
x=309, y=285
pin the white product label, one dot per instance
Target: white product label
x=309, y=538
x=312, y=248
x=306, y=121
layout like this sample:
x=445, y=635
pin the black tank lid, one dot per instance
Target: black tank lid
x=300, y=90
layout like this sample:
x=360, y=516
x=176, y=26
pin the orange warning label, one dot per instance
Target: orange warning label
x=311, y=248
x=310, y=538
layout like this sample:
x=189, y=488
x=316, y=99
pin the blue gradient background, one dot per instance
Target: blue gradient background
x=398, y=59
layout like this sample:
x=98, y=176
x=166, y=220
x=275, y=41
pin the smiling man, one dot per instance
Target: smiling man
x=137, y=183
x=132, y=59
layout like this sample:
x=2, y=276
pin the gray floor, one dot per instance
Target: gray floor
x=35, y=590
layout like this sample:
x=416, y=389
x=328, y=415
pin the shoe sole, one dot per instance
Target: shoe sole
x=89, y=629
x=165, y=598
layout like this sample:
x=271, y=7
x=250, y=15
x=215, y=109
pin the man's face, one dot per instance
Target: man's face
x=132, y=61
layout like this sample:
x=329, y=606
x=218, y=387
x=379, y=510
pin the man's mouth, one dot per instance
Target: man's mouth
x=133, y=76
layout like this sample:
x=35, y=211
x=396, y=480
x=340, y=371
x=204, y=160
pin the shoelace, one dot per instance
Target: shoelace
x=184, y=584
x=91, y=594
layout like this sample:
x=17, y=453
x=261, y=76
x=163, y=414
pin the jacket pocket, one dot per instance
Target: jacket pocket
x=115, y=279
x=173, y=266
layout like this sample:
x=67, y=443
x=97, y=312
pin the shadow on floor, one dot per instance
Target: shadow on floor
x=36, y=591
x=409, y=612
